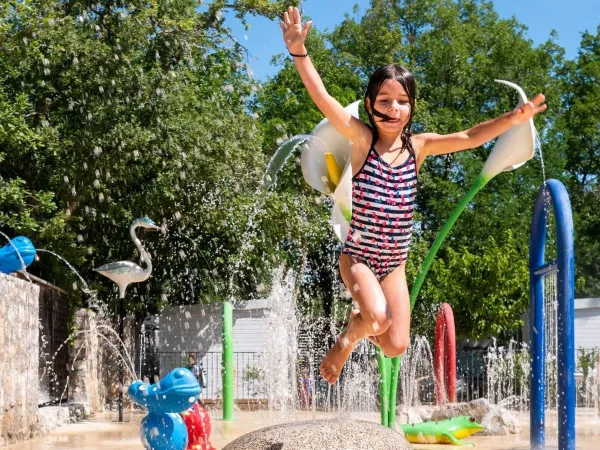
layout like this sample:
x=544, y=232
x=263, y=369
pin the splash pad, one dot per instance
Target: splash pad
x=355, y=387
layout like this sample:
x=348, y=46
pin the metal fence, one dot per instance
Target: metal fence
x=500, y=374
x=247, y=372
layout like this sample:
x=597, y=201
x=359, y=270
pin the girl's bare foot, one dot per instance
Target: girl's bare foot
x=334, y=360
x=336, y=357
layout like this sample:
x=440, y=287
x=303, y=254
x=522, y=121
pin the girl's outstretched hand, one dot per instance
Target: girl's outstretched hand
x=528, y=110
x=294, y=34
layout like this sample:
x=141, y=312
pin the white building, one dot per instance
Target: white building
x=189, y=329
x=587, y=323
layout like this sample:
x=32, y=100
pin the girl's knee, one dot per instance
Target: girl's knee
x=395, y=348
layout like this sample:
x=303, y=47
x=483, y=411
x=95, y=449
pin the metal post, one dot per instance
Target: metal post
x=565, y=316
x=537, y=327
x=121, y=374
x=565, y=265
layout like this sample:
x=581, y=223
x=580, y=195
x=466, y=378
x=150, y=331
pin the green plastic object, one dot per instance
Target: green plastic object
x=449, y=431
x=227, y=364
x=391, y=369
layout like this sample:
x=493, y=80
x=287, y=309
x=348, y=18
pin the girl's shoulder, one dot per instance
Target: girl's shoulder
x=359, y=149
x=417, y=142
x=367, y=138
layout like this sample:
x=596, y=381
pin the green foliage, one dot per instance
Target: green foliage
x=587, y=360
x=486, y=286
x=253, y=373
x=578, y=136
x=109, y=112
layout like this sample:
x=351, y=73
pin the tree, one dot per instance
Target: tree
x=285, y=109
x=112, y=110
x=577, y=136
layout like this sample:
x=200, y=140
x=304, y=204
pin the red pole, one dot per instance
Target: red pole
x=438, y=358
x=444, y=363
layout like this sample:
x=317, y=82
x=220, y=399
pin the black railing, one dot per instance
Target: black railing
x=504, y=381
x=248, y=376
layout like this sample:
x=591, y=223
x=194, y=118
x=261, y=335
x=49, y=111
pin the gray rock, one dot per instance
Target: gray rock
x=62, y=415
x=48, y=419
x=78, y=412
x=322, y=435
x=477, y=408
x=51, y=417
x=414, y=415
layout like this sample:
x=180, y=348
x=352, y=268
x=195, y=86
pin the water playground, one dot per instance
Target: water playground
x=525, y=395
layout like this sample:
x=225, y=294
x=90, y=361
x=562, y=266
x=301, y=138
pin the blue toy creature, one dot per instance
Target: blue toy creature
x=163, y=428
x=9, y=254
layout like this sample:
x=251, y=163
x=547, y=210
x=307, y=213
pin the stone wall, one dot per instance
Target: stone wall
x=19, y=334
x=85, y=374
x=94, y=362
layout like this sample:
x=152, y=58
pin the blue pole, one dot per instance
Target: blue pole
x=565, y=264
x=537, y=327
x=565, y=261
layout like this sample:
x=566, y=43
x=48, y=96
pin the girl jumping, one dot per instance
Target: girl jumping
x=385, y=160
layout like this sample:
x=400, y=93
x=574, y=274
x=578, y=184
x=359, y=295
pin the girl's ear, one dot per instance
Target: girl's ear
x=368, y=105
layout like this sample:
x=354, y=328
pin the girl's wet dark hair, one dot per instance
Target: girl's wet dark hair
x=407, y=81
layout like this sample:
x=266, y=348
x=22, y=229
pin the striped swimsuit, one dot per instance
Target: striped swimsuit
x=383, y=199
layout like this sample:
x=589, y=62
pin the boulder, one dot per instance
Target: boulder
x=322, y=435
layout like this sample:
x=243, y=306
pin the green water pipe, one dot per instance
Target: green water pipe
x=384, y=382
x=227, y=363
x=389, y=368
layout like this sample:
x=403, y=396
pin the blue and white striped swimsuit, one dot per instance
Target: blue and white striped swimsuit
x=383, y=199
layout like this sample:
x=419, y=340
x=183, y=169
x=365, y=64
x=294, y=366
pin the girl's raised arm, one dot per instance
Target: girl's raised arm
x=294, y=35
x=438, y=144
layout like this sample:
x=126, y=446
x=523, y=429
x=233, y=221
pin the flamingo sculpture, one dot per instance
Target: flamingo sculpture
x=125, y=272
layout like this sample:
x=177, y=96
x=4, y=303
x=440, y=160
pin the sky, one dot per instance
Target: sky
x=569, y=18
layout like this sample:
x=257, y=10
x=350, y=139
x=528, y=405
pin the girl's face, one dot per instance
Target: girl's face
x=393, y=101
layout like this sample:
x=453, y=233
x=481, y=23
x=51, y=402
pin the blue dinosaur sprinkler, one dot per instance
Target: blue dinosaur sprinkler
x=163, y=428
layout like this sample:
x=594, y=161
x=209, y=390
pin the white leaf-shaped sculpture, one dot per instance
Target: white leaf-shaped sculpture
x=514, y=147
x=322, y=172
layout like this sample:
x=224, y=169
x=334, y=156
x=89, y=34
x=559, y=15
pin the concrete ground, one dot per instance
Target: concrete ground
x=104, y=432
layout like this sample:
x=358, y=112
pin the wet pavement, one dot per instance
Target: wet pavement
x=104, y=432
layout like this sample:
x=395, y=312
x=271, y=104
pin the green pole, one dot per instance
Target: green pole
x=394, y=372
x=227, y=363
x=383, y=387
x=480, y=182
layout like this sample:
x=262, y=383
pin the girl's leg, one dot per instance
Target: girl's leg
x=396, y=338
x=373, y=318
